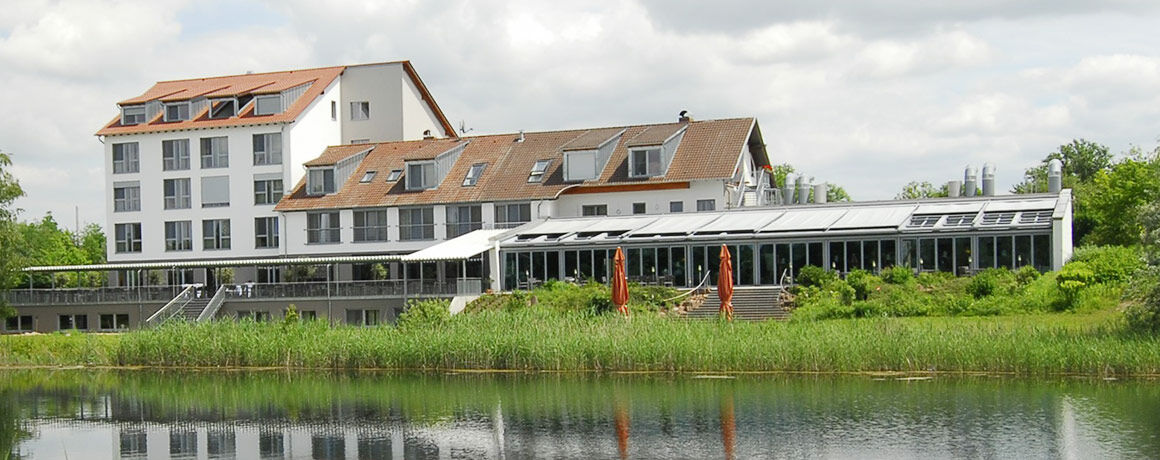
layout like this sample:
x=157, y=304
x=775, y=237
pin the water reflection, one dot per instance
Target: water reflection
x=150, y=415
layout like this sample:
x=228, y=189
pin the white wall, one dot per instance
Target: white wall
x=310, y=134
x=656, y=201
x=382, y=86
x=417, y=115
x=152, y=215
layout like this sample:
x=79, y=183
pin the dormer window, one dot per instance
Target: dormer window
x=268, y=105
x=177, y=111
x=473, y=174
x=368, y=177
x=538, y=170
x=645, y=162
x=580, y=165
x=133, y=115
x=320, y=181
x=394, y=175
x=421, y=176
x=223, y=109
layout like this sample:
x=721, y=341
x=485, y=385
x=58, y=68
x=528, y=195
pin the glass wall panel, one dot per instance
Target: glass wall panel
x=783, y=265
x=986, y=252
x=926, y=254
x=601, y=263
x=767, y=265
x=713, y=262
x=698, y=267
x=679, y=264
x=1005, y=253
x=509, y=271
x=946, y=255
x=1041, y=246
x=853, y=255
x=570, y=266
x=838, y=256
x=1022, y=250
x=816, y=254
x=910, y=253
x=888, y=255
x=747, y=264
x=798, y=254
x=552, y=265
x=663, y=267
x=870, y=256
x=962, y=255
x=648, y=264
x=538, y=265
x=585, y=257
x=632, y=263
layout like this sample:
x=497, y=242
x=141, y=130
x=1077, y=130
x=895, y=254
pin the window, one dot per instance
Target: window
x=126, y=196
x=268, y=105
x=179, y=235
x=462, y=220
x=538, y=170
x=923, y=221
x=394, y=175
x=215, y=191
x=322, y=227
x=360, y=110
x=368, y=177
x=1035, y=217
x=78, y=322
x=267, y=191
x=473, y=174
x=133, y=115
x=125, y=158
x=268, y=149
x=176, y=193
x=645, y=163
x=998, y=218
x=370, y=225
x=959, y=220
x=359, y=317
x=223, y=109
x=319, y=181
x=175, y=155
x=594, y=210
x=215, y=152
x=580, y=165
x=512, y=215
x=18, y=323
x=215, y=234
x=638, y=208
x=128, y=237
x=178, y=111
x=265, y=232
x=333, y=111
x=706, y=205
x=421, y=176
x=416, y=224
x=114, y=321
x=676, y=206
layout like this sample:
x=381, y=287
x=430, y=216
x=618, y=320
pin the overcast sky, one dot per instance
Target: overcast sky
x=866, y=96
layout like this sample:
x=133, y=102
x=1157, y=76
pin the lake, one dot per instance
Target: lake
x=98, y=414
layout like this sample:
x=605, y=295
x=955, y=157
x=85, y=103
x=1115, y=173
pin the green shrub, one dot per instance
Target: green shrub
x=1026, y=274
x=863, y=283
x=1143, y=314
x=897, y=275
x=426, y=313
x=990, y=282
x=1110, y=264
x=934, y=279
x=812, y=275
x=1074, y=277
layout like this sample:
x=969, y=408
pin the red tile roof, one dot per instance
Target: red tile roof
x=249, y=84
x=709, y=150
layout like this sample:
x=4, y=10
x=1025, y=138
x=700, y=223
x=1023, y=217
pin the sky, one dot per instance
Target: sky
x=865, y=95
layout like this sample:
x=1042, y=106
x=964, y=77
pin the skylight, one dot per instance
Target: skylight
x=538, y=170
x=394, y=175
x=367, y=177
x=473, y=174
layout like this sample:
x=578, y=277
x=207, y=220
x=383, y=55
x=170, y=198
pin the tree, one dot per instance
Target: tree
x=1116, y=199
x=1082, y=161
x=1150, y=222
x=9, y=236
x=46, y=243
x=918, y=190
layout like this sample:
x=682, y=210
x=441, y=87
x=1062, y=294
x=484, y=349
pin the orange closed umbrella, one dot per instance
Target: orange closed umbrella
x=725, y=283
x=619, y=283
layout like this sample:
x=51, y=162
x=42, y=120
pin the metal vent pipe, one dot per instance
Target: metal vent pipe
x=970, y=181
x=954, y=189
x=1054, y=176
x=988, y=179
x=787, y=189
x=820, y=191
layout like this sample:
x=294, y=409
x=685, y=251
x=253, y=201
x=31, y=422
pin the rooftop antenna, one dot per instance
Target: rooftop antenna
x=463, y=129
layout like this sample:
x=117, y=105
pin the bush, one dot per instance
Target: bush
x=934, y=279
x=812, y=275
x=1074, y=277
x=897, y=275
x=1143, y=314
x=1026, y=274
x=1110, y=264
x=427, y=313
x=863, y=283
x=990, y=282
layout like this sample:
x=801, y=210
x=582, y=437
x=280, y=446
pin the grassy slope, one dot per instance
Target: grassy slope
x=537, y=340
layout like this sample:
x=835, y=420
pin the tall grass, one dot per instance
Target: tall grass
x=537, y=339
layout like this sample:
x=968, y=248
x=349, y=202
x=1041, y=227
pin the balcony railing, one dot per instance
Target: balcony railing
x=81, y=296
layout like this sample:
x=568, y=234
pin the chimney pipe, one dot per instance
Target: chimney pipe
x=1054, y=176
x=803, y=190
x=683, y=117
x=970, y=181
x=521, y=138
x=820, y=191
x=787, y=189
x=954, y=189
x=988, y=180
x=427, y=134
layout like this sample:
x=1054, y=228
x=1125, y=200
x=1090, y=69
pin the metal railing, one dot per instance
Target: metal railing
x=214, y=304
x=383, y=288
x=82, y=296
x=172, y=308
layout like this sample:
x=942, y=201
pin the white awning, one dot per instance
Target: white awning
x=460, y=248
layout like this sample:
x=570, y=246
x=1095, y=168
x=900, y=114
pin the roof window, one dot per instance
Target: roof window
x=133, y=115
x=538, y=170
x=645, y=162
x=959, y=220
x=1035, y=217
x=177, y=111
x=394, y=175
x=367, y=177
x=320, y=181
x=473, y=174
x=268, y=105
x=998, y=218
x=923, y=221
x=421, y=176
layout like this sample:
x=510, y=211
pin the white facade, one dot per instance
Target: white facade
x=397, y=111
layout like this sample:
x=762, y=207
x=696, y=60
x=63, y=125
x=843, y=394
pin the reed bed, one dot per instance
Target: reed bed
x=537, y=340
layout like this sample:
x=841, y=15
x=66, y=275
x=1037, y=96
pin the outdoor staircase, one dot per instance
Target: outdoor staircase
x=750, y=303
x=193, y=309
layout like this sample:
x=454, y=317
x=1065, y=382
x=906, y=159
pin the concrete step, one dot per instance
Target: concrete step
x=749, y=303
